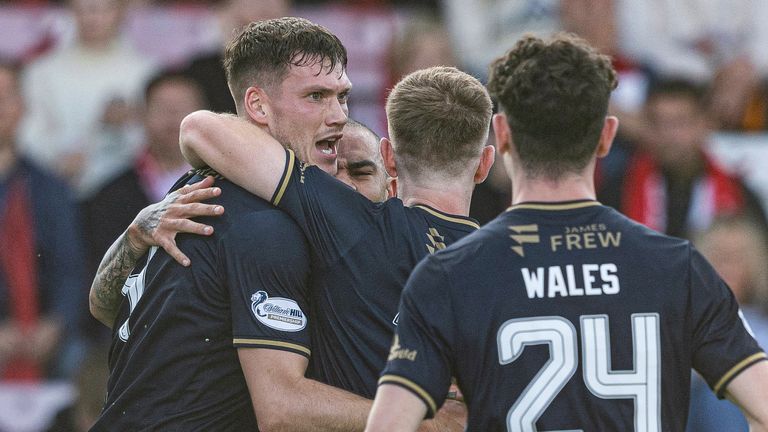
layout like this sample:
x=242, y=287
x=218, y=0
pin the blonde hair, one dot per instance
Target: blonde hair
x=438, y=121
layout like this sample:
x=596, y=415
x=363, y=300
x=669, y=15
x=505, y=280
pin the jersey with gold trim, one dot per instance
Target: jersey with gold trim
x=362, y=254
x=568, y=316
x=173, y=362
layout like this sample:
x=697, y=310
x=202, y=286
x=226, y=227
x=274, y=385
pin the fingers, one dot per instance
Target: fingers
x=172, y=250
x=188, y=211
x=204, y=183
x=188, y=226
x=198, y=195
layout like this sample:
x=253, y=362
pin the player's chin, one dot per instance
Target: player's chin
x=326, y=163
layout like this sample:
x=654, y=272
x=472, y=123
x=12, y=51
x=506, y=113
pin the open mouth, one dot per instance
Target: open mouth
x=327, y=146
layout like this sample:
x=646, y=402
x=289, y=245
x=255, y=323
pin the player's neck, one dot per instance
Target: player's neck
x=570, y=188
x=451, y=199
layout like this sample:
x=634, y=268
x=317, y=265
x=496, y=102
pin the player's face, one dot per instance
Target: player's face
x=10, y=106
x=309, y=111
x=360, y=164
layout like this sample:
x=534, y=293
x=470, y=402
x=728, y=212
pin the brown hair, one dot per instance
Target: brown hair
x=555, y=95
x=438, y=120
x=262, y=52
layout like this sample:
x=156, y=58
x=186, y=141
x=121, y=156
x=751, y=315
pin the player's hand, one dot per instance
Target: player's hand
x=158, y=224
x=451, y=417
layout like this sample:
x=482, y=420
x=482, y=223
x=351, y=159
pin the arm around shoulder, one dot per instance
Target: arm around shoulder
x=241, y=151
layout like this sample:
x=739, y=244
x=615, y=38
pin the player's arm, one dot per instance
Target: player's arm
x=155, y=225
x=284, y=400
x=241, y=151
x=395, y=408
x=749, y=390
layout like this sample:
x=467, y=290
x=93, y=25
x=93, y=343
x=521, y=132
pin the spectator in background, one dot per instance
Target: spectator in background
x=207, y=69
x=90, y=384
x=736, y=247
x=484, y=29
x=723, y=41
x=42, y=290
x=670, y=183
x=80, y=99
x=169, y=97
x=423, y=42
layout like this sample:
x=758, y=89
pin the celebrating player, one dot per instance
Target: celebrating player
x=173, y=365
x=363, y=252
x=562, y=314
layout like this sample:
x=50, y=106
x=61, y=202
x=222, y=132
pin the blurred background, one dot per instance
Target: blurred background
x=92, y=93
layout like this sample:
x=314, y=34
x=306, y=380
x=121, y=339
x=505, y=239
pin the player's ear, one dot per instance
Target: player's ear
x=388, y=154
x=502, y=133
x=256, y=104
x=610, y=126
x=486, y=162
x=391, y=187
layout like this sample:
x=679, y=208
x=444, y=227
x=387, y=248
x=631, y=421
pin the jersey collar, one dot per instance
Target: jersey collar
x=554, y=206
x=448, y=217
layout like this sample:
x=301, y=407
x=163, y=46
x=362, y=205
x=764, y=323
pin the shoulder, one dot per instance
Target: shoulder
x=266, y=232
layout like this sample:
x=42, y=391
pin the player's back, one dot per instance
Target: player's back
x=173, y=364
x=571, y=317
x=358, y=294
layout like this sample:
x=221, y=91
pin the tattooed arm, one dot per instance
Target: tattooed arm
x=155, y=225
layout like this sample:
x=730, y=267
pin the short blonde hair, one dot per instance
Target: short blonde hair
x=438, y=121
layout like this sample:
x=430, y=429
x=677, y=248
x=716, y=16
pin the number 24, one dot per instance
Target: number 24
x=641, y=384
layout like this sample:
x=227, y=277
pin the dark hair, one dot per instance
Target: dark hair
x=352, y=123
x=677, y=87
x=262, y=52
x=555, y=95
x=168, y=75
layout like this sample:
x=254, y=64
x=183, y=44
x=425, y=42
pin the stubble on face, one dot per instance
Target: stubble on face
x=309, y=111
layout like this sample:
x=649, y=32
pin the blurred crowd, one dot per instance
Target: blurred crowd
x=92, y=93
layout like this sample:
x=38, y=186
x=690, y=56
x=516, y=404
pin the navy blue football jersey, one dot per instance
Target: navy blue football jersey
x=568, y=316
x=173, y=362
x=362, y=253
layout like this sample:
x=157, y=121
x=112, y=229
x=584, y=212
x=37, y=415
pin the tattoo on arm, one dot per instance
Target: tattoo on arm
x=106, y=296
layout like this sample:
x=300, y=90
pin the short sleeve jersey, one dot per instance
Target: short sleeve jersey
x=173, y=362
x=568, y=316
x=362, y=253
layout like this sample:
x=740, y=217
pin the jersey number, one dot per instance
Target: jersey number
x=642, y=384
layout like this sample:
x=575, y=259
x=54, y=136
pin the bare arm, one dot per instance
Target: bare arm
x=749, y=390
x=284, y=400
x=241, y=151
x=156, y=225
x=395, y=408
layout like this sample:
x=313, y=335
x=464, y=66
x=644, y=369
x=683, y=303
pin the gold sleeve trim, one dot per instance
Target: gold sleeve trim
x=411, y=385
x=449, y=218
x=546, y=206
x=736, y=369
x=267, y=342
x=286, y=178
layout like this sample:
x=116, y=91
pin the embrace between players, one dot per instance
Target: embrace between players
x=281, y=312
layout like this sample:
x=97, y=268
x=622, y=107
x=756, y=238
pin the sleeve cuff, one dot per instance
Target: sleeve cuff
x=719, y=388
x=290, y=159
x=271, y=344
x=413, y=388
